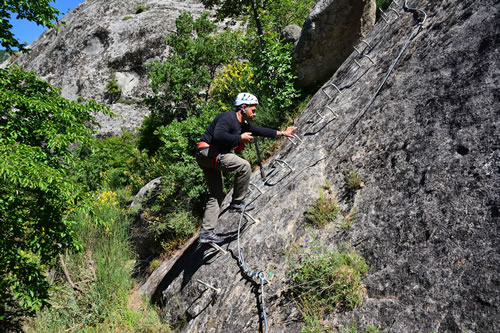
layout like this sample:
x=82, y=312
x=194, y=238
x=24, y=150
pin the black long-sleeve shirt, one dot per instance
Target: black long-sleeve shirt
x=225, y=132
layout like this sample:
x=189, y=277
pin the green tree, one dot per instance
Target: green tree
x=39, y=12
x=277, y=14
x=238, y=9
x=37, y=128
x=266, y=14
x=181, y=82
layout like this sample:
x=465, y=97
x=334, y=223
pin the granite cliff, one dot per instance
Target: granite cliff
x=102, y=41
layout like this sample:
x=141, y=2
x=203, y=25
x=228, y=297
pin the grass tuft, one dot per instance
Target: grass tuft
x=329, y=278
x=324, y=210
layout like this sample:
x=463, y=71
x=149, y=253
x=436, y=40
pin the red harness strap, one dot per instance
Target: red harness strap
x=203, y=145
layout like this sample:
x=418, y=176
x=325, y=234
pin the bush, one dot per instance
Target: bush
x=103, y=162
x=102, y=272
x=329, y=278
x=274, y=79
x=180, y=83
x=112, y=91
x=234, y=78
x=324, y=210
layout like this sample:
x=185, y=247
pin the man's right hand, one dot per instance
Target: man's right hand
x=246, y=137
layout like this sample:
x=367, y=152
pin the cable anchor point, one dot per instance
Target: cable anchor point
x=217, y=290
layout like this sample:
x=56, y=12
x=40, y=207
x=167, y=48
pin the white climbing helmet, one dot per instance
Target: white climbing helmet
x=245, y=98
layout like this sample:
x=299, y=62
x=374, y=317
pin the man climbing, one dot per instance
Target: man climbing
x=228, y=131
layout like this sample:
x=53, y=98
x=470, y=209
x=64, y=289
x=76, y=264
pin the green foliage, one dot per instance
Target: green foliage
x=102, y=272
x=330, y=278
x=112, y=91
x=141, y=7
x=268, y=15
x=312, y=313
x=355, y=329
x=39, y=12
x=234, y=78
x=3, y=55
x=383, y=4
x=274, y=78
x=181, y=81
x=105, y=162
x=232, y=8
x=269, y=75
x=37, y=127
x=324, y=210
x=277, y=14
x=183, y=184
x=176, y=225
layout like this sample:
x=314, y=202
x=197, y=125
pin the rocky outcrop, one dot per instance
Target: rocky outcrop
x=331, y=30
x=104, y=40
x=425, y=142
x=291, y=34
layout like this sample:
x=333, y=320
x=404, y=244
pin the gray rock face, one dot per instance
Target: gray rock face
x=140, y=234
x=102, y=38
x=291, y=33
x=426, y=144
x=328, y=35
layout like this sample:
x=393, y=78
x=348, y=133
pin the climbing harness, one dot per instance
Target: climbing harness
x=213, y=156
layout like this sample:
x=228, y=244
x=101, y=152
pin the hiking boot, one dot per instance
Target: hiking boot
x=238, y=207
x=210, y=237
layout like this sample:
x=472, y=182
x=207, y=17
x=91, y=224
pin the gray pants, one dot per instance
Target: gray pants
x=215, y=181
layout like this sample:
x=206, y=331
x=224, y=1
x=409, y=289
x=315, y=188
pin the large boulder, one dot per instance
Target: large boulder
x=102, y=41
x=331, y=30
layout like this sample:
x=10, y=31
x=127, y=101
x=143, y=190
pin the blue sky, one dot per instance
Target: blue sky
x=26, y=31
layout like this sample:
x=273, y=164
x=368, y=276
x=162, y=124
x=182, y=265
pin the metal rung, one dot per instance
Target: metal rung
x=365, y=42
x=323, y=90
x=357, y=63
x=355, y=49
x=293, y=142
x=217, y=290
x=367, y=56
x=383, y=15
x=393, y=10
x=251, y=217
x=280, y=162
x=258, y=189
x=217, y=247
x=319, y=114
x=297, y=137
x=331, y=110
x=332, y=84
